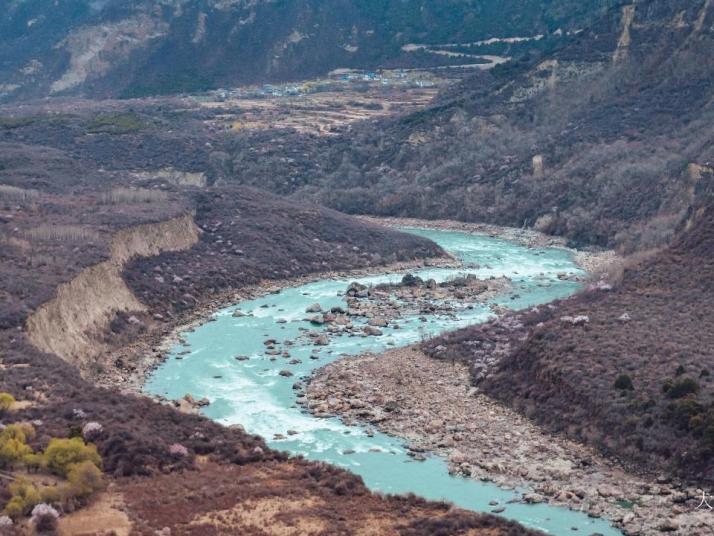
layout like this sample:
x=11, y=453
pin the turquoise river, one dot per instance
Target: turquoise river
x=253, y=393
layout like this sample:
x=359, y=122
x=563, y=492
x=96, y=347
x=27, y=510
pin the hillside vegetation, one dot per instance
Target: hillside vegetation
x=602, y=140
x=627, y=369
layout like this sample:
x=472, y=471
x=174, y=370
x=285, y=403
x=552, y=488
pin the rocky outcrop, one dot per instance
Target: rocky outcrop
x=71, y=324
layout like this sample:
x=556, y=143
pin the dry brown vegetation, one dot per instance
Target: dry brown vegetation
x=635, y=379
x=134, y=195
x=17, y=194
x=62, y=233
x=292, y=498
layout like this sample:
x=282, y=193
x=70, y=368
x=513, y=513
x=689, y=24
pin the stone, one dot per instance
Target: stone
x=371, y=330
x=314, y=308
x=533, y=498
x=356, y=289
x=457, y=457
x=285, y=373
x=668, y=525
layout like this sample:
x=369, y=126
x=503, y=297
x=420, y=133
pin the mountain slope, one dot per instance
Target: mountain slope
x=143, y=47
x=633, y=377
x=602, y=140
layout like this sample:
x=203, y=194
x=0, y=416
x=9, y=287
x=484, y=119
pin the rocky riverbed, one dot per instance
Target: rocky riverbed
x=433, y=406
x=143, y=356
x=368, y=310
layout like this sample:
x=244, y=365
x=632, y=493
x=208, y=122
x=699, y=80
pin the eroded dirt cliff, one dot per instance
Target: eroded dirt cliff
x=71, y=324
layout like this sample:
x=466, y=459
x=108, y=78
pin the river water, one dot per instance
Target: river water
x=252, y=392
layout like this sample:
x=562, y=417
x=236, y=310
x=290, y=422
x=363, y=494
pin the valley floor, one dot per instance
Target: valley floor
x=433, y=406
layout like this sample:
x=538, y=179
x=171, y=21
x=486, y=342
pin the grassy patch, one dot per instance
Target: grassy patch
x=116, y=123
x=134, y=195
x=10, y=123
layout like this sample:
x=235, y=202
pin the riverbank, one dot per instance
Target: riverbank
x=432, y=405
x=595, y=262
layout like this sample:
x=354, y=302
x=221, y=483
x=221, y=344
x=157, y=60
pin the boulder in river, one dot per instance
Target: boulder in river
x=314, y=308
x=371, y=330
x=357, y=290
x=322, y=340
x=410, y=280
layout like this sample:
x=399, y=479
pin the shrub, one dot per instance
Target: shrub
x=24, y=497
x=666, y=386
x=624, y=383
x=33, y=461
x=14, y=508
x=61, y=454
x=683, y=412
x=178, y=450
x=13, y=443
x=44, y=517
x=6, y=401
x=91, y=430
x=84, y=479
x=682, y=388
x=51, y=494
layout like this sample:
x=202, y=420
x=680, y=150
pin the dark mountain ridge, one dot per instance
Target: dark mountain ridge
x=144, y=47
